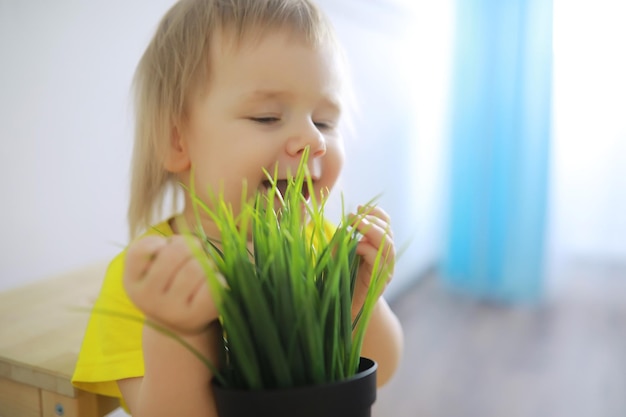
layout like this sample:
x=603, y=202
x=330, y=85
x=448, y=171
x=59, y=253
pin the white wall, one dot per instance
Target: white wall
x=66, y=126
x=589, y=147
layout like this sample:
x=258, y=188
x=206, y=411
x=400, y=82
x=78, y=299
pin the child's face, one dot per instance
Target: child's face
x=266, y=103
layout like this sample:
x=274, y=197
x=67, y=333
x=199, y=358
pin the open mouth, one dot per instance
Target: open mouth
x=281, y=186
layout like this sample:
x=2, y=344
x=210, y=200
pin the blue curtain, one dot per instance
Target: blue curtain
x=499, y=148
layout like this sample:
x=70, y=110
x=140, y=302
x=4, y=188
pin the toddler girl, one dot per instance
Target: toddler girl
x=228, y=88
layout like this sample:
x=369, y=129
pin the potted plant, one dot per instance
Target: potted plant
x=283, y=280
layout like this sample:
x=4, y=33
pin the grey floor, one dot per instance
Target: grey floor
x=565, y=356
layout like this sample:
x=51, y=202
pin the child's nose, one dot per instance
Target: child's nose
x=308, y=135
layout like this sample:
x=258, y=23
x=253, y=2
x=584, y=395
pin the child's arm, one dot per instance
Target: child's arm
x=166, y=282
x=175, y=382
x=384, y=338
x=383, y=341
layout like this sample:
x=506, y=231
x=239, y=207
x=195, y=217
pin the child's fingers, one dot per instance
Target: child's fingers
x=367, y=252
x=369, y=247
x=202, y=304
x=186, y=281
x=153, y=262
x=140, y=255
x=382, y=224
x=372, y=228
x=374, y=215
x=377, y=235
x=166, y=264
x=374, y=211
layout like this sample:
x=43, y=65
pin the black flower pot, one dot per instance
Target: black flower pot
x=352, y=397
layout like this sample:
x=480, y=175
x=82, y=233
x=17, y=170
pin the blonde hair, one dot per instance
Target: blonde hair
x=176, y=65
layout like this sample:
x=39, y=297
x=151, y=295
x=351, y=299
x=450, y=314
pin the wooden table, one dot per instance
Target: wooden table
x=40, y=336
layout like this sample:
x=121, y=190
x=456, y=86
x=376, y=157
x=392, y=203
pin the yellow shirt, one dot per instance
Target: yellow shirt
x=112, y=346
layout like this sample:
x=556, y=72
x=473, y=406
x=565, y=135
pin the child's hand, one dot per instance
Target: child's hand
x=166, y=282
x=374, y=225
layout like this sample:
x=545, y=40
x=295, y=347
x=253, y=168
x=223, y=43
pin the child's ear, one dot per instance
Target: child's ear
x=177, y=155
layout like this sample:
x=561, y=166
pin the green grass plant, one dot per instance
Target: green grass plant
x=283, y=281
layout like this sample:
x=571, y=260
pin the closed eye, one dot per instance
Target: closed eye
x=324, y=125
x=265, y=120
